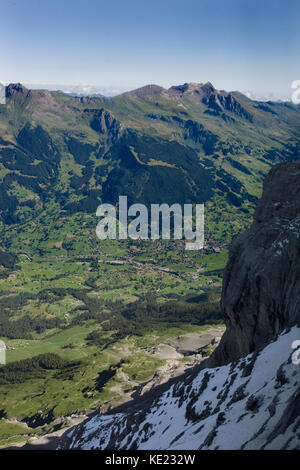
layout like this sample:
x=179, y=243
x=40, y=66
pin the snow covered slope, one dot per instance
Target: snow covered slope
x=252, y=403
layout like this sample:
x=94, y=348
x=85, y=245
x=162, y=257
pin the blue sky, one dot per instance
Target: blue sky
x=235, y=44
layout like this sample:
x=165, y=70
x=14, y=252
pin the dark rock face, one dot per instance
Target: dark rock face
x=261, y=284
x=220, y=102
x=105, y=123
x=16, y=89
x=197, y=132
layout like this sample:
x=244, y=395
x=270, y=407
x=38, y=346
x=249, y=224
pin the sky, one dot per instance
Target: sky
x=117, y=45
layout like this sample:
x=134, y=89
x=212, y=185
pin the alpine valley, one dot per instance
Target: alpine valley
x=132, y=329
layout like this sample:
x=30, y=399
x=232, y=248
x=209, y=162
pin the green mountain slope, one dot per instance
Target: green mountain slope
x=186, y=144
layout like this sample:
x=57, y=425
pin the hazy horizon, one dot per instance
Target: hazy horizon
x=109, y=91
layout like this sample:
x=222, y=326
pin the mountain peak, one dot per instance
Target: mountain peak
x=246, y=395
x=16, y=89
x=196, y=91
x=147, y=90
x=192, y=87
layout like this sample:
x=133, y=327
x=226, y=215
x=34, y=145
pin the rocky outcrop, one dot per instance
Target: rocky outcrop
x=222, y=101
x=218, y=102
x=16, y=89
x=261, y=284
x=197, y=92
x=105, y=123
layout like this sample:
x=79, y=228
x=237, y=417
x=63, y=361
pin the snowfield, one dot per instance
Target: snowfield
x=253, y=403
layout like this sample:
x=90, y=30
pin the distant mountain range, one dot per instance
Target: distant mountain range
x=112, y=91
x=190, y=143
